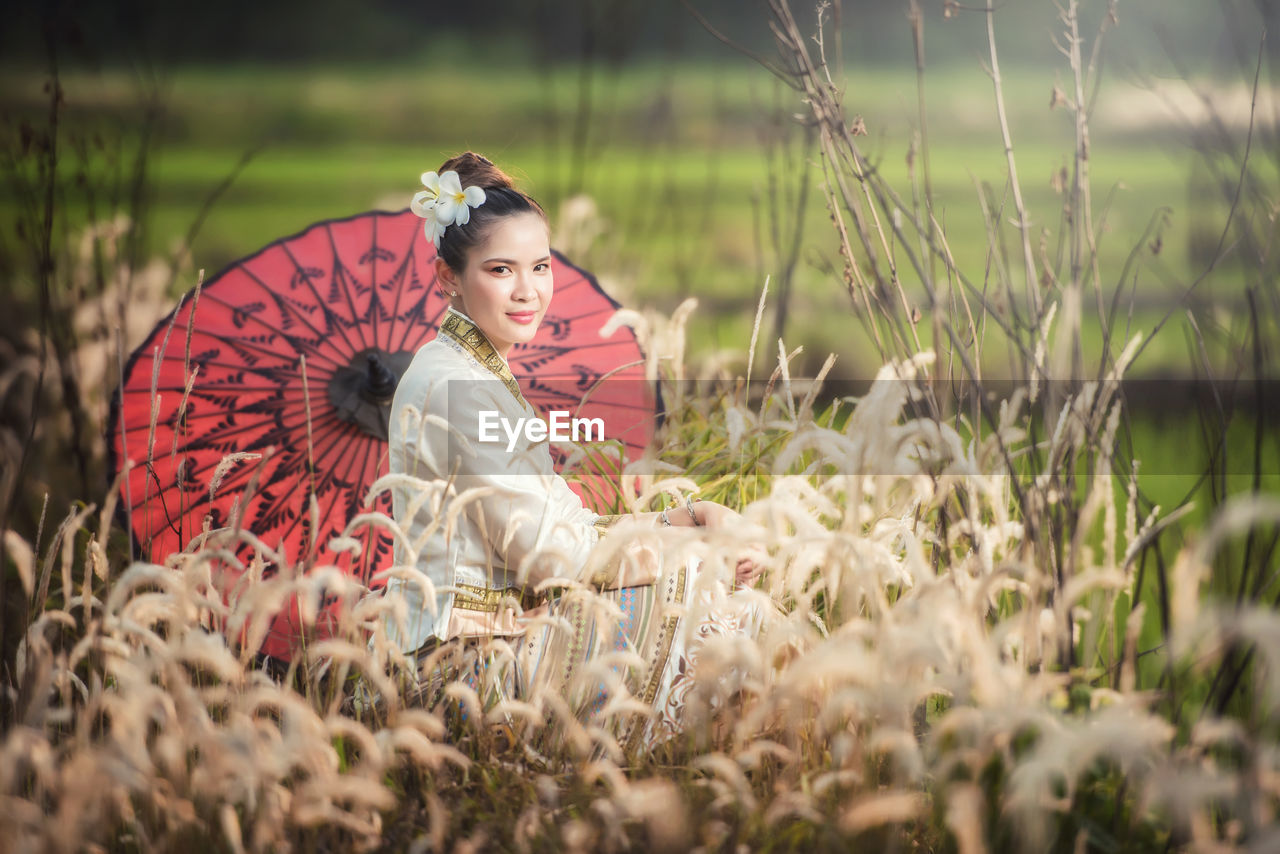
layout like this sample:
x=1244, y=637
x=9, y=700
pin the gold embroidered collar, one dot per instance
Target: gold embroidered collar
x=462, y=330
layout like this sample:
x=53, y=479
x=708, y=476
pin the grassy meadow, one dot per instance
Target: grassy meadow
x=693, y=170
x=1001, y=608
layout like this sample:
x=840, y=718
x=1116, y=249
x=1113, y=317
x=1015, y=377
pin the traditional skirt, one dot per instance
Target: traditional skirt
x=624, y=661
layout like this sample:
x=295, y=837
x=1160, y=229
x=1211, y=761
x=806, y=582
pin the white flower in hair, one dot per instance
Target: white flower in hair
x=433, y=228
x=453, y=205
x=424, y=205
x=444, y=203
x=431, y=181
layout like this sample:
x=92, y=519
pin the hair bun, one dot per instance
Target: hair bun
x=454, y=240
x=475, y=170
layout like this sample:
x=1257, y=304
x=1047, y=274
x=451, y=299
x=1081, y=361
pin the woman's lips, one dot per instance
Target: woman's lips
x=522, y=316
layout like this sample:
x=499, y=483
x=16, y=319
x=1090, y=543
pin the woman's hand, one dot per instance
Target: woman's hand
x=712, y=515
x=751, y=560
x=750, y=564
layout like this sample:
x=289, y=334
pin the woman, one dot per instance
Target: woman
x=490, y=529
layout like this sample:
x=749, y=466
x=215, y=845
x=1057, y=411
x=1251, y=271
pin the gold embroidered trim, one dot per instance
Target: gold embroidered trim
x=605, y=521
x=606, y=575
x=469, y=597
x=471, y=339
x=659, y=663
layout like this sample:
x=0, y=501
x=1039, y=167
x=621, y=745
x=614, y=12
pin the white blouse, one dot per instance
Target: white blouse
x=480, y=522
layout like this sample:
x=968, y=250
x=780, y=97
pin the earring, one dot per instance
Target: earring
x=453, y=293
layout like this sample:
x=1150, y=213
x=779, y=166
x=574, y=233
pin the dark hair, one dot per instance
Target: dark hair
x=501, y=199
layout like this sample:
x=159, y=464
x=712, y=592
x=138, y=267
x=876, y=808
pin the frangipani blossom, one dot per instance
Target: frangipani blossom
x=444, y=203
x=453, y=207
x=423, y=204
x=431, y=181
x=432, y=227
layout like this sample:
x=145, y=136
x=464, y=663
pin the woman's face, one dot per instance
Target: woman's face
x=506, y=284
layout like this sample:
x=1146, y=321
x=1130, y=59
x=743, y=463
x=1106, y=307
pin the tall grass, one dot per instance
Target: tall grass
x=978, y=632
x=906, y=685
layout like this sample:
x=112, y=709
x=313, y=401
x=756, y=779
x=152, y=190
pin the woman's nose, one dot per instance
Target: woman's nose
x=524, y=289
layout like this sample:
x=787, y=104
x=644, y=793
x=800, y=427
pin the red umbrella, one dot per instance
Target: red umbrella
x=356, y=298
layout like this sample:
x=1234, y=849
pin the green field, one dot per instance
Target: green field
x=692, y=167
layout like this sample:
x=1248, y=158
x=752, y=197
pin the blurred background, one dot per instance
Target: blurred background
x=672, y=164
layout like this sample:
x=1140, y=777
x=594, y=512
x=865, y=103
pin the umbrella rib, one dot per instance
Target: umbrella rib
x=321, y=301
x=302, y=318
x=561, y=290
x=338, y=265
x=534, y=347
x=286, y=358
x=373, y=281
x=365, y=461
x=336, y=441
x=238, y=475
x=337, y=494
x=239, y=431
x=206, y=390
x=431, y=323
x=223, y=339
x=589, y=345
x=202, y=415
x=537, y=353
x=230, y=366
x=408, y=255
x=285, y=426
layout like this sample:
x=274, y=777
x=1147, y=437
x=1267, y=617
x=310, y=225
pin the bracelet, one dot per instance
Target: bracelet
x=666, y=522
x=688, y=505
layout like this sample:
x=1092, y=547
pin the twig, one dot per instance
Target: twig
x=781, y=73
x=1032, y=282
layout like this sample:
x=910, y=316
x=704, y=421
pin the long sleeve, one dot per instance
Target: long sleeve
x=534, y=526
x=496, y=520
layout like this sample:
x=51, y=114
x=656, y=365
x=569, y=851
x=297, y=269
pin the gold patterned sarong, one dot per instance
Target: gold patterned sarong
x=588, y=648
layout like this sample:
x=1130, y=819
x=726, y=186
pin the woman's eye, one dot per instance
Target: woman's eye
x=542, y=268
x=501, y=268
